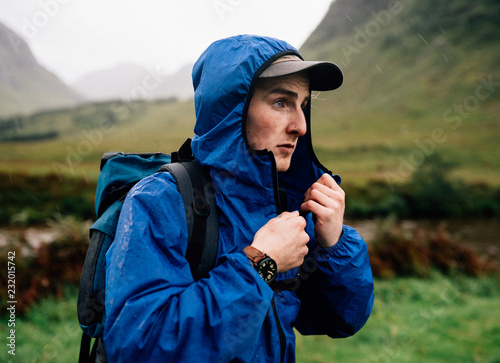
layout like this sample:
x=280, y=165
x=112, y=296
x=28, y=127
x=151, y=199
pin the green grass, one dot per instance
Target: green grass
x=438, y=320
x=49, y=332
x=443, y=319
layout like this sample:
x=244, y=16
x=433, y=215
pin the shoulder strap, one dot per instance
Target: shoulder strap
x=194, y=184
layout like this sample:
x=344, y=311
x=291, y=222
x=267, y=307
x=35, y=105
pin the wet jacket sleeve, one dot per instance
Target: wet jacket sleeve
x=154, y=308
x=337, y=292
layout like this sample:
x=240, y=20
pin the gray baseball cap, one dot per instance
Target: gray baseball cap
x=323, y=76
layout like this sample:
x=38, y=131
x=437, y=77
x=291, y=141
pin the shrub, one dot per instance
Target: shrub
x=45, y=269
x=414, y=251
x=27, y=199
x=430, y=194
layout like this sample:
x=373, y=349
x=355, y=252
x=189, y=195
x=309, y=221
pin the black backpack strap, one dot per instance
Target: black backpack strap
x=184, y=153
x=85, y=355
x=185, y=187
x=84, y=349
x=194, y=184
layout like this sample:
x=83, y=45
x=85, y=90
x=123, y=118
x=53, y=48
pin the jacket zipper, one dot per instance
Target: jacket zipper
x=281, y=333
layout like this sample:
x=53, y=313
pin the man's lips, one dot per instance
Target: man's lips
x=286, y=148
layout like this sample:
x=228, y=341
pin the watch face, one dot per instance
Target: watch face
x=267, y=269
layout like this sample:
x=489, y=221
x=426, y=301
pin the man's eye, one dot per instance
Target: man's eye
x=279, y=103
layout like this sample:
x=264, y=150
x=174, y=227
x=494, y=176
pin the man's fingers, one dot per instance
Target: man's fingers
x=327, y=179
x=318, y=209
x=323, y=202
x=325, y=196
x=288, y=215
x=326, y=200
x=325, y=184
x=317, y=190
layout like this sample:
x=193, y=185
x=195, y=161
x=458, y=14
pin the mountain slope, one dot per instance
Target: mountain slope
x=420, y=77
x=129, y=81
x=25, y=85
x=111, y=83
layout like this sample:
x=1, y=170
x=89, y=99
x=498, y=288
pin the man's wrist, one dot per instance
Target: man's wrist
x=265, y=265
x=253, y=254
x=323, y=244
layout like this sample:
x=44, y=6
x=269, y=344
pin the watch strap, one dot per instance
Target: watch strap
x=254, y=255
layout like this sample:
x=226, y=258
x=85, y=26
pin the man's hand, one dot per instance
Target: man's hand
x=284, y=240
x=326, y=200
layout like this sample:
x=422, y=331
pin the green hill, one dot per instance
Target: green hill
x=421, y=78
x=26, y=86
x=71, y=141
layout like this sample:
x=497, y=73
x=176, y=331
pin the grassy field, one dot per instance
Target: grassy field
x=85, y=133
x=441, y=319
x=359, y=148
x=438, y=320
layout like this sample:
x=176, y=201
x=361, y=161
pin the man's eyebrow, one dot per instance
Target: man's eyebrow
x=287, y=92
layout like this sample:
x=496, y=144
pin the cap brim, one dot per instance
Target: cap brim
x=323, y=76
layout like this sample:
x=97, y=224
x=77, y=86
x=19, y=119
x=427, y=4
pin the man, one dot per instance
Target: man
x=278, y=209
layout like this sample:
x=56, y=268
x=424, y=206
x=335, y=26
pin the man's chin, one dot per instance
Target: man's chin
x=283, y=166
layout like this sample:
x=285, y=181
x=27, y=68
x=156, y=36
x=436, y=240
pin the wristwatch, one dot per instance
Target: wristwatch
x=265, y=265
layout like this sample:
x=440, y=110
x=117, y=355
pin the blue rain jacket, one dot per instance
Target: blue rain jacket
x=156, y=312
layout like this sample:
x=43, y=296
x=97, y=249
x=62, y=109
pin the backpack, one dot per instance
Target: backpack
x=119, y=172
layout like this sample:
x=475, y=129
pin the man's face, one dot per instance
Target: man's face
x=275, y=118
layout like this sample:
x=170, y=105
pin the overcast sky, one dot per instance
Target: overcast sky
x=74, y=37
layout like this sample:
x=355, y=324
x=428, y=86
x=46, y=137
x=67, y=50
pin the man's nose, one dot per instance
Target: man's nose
x=298, y=123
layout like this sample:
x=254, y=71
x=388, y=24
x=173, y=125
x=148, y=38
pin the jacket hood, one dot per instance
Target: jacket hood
x=246, y=180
